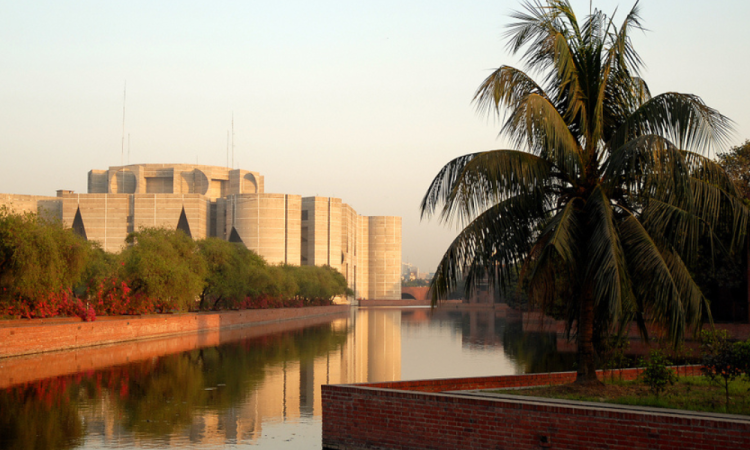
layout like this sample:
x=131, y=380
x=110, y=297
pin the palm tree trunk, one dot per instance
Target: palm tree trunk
x=586, y=367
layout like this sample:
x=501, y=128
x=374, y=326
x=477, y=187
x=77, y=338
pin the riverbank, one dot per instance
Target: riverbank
x=26, y=369
x=28, y=337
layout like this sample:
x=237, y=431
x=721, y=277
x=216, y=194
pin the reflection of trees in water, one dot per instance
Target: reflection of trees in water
x=535, y=352
x=40, y=416
x=156, y=397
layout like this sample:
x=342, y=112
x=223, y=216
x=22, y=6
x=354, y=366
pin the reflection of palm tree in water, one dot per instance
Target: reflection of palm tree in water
x=535, y=352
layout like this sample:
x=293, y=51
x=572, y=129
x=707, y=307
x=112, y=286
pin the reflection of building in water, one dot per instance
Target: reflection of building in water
x=373, y=352
x=481, y=328
x=289, y=391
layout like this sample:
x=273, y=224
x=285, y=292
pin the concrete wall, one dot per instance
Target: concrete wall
x=163, y=210
x=211, y=181
x=349, y=239
x=47, y=207
x=363, y=261
x=321, y=231
x=366, y=250
x=106, y=217
x=268, y=224
x=384, y=257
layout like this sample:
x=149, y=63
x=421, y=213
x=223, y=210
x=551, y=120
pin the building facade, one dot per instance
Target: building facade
x=209, y=201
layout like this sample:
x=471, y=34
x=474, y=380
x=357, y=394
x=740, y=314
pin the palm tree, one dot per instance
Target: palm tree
x=603, y=207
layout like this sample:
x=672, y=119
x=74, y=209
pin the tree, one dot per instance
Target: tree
x=315, y=283
x=604, y=203
x=164, y=265
x=38, y=258
x=737, y=164
x=233, y=272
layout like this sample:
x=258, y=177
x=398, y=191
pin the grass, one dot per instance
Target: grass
x=689, y=393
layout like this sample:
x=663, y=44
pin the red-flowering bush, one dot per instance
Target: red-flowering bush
x=114, y=297
x=62, y=303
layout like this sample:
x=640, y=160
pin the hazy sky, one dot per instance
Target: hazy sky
x=359, y=100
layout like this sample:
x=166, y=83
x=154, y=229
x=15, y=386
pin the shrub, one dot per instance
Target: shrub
x=656, y=373
x=723, y=361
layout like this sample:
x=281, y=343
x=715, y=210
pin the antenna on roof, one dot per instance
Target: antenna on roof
x=122, y=149
x=227, y=148
x=232, y=139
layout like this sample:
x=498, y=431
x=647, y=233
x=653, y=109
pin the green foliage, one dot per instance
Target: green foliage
x=742, y=351
x=318, y=282
x=613, y=353
x=37, y=257
x=165, y=265
x=233, y=273
x=607, y=198
x=723, y=361
x=737, y=164
x=415, y=283
x=100, y=266
x=656, y=373
x=46, y=270
x=283, y=282
x=693, y=393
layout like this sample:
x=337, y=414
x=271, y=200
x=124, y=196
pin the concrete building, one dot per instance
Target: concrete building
x=209, y=201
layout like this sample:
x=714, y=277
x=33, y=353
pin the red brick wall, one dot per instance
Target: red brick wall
x=419, y=293
x=536, y=322
x=416, y=415
x=376, y=302
x=15, y=371
x=23, y=337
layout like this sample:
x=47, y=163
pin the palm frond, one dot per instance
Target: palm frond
x=537, y=125
x=470, y=184
x=564, y=231
x=683, y=119
x=491, y=244
x=506, y=87
x=648, y=166
x=618, y=90
x=605, y=260
x=661, y=281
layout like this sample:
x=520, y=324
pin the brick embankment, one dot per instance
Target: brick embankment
x=24, y=337
x=424, y=414
x=375, y=302
x=447, y=304
x=537, y=322
x=26, y=369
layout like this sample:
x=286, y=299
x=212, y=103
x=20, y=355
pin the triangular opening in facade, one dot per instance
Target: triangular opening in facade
x=234, y=236
x=183, y=224
x=78, y=227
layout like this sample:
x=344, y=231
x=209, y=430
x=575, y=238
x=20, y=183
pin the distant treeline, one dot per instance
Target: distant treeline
x=47, y=270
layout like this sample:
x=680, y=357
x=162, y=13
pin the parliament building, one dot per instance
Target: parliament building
x=210, y=201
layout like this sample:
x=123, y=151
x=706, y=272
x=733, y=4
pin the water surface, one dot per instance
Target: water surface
x=256, y=390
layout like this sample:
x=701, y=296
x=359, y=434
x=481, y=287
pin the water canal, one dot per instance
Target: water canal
x=258, y=388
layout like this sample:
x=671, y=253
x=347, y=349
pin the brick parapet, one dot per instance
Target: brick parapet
x=27, y=337
x=422, y=415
